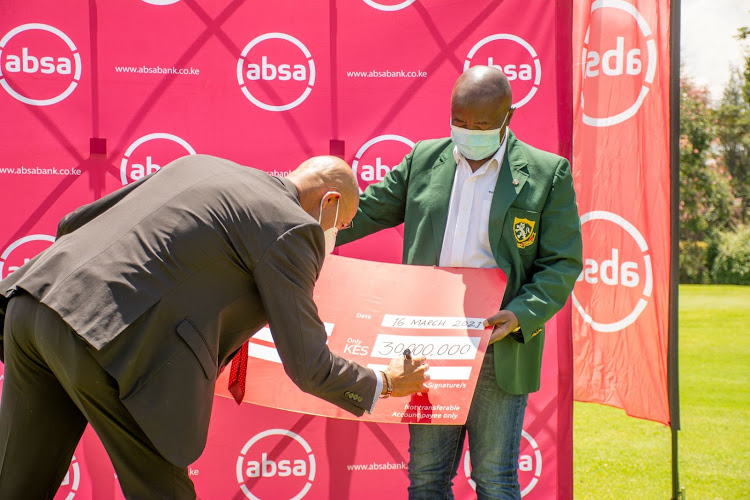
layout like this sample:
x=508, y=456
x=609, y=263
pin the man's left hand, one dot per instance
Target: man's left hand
x=504, y=322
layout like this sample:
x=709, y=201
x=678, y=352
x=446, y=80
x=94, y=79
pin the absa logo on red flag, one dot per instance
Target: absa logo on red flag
x=39, y=64
x=515, y=57
x=149, y=153
x=617, y=280
x=21, y=251
x=529, y=464
x=378, y=156
x=619, y=63
x=276, y=72
x=276, y=463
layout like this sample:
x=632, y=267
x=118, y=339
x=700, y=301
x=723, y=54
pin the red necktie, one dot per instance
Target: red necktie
x=237, y=374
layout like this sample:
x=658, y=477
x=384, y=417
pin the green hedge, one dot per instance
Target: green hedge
x=694, y=262
x=732, y=263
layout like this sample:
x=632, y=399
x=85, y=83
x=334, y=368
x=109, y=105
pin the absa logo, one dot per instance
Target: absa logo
x=389, y=7
x=70, y=483
x=276, y=463
x=276, y=72
x=515, y=57
x=21, y=251
x=529, y=464
x=39, y=64
x=616, y=282
x=159, y=149
x=378, y=156
x=619, y=63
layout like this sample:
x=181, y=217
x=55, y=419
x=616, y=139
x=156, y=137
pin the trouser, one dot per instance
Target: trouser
x=494, y=426
x=52, y=388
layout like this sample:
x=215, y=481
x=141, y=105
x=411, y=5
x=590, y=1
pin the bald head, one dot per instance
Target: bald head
x=481, y=98
x=481, y=84
x=332, y=178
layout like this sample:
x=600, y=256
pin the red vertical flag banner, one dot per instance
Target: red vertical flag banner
x=622, y=175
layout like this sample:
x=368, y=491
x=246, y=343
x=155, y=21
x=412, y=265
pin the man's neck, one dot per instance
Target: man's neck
x=477, y=164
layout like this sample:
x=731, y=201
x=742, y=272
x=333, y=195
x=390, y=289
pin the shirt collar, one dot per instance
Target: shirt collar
x=497, y=157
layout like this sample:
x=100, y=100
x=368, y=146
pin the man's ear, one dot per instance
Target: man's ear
x=331, y=197
x=511, y=111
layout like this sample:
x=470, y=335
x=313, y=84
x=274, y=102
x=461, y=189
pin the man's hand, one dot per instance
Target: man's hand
x=504, y=322
x=408, y=375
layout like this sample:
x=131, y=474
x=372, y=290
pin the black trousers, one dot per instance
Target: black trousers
x=52, y=388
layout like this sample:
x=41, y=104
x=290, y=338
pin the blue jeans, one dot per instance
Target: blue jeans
x=494, y=427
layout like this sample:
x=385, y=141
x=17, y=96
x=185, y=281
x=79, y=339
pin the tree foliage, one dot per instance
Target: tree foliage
x=715, y=179
x=705, y=192
x=733, y=132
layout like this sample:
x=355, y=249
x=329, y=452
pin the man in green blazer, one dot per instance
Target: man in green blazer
x=483, y=198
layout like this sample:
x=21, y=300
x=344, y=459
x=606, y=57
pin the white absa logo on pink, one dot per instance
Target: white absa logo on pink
x=616, y=282
x=276, y=463
x=39, y=64
x=276, y=72
x=378, y=156
x=515, y=57
x=151, y=152
x=21, y=251
x=529, y=464
x=70, y=483
x=389, y=6
x=619, y=63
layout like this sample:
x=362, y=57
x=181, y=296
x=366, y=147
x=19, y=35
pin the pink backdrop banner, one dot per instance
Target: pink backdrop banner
x=94, y=95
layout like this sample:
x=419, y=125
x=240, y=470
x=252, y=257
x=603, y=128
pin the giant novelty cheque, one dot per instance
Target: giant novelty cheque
x=374, y=311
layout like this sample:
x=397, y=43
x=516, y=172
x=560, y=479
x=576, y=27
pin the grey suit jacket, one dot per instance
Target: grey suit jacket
x=167, y=277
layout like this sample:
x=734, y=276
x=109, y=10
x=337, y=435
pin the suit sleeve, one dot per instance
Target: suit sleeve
x=559, y=259
x=382, y=205
x=86, y=213
x=285, y=277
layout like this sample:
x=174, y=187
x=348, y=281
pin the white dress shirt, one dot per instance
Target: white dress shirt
x=466, y=241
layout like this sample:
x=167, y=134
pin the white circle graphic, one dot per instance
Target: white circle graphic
x=275, y=432
x=150, y=137
x=389, y=8
x=373, y=141
x=650, y=70
x=160, y=2
x=71, y=46
x=523, y=43
x=241, y=72
x=76, y=473
x=647, y=285
x=18, y=243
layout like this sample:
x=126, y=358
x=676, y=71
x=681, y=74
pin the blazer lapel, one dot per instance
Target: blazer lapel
x=513, y=176
x=443, y=174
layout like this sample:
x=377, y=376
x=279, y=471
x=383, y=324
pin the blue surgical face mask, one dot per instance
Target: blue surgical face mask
x=477, y=144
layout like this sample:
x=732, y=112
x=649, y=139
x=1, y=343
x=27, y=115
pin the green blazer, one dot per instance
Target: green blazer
x=534, y=232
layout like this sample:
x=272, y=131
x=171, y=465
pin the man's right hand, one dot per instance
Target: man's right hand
x=407, y=375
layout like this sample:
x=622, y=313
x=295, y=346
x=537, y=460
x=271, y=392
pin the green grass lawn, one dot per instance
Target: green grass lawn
x=621, y=457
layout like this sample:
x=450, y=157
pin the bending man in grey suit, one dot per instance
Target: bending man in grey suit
x=127, y=319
